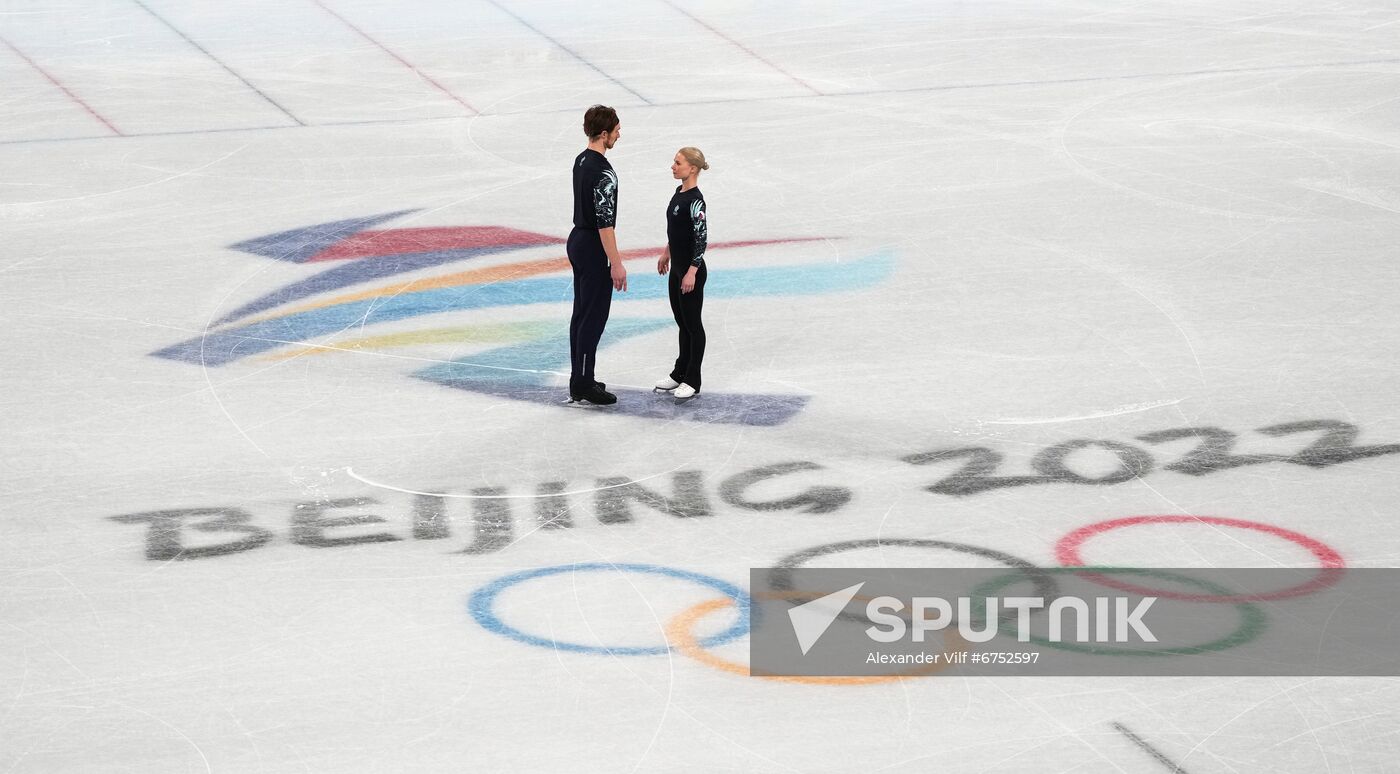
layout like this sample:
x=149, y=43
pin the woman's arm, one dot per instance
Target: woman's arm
x=701, y=233
x=700, y=229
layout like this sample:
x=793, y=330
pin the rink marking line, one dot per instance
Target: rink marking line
x=180, y=132
x=400, y=60
x=1156, y=754
x=569, y=51
x=1128, y=77
x=745, y=49
x=65, y=90
x=351, y=473
x=742, y=100
x=218, y=62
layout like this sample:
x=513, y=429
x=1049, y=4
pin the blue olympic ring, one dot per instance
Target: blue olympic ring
x=482, y=606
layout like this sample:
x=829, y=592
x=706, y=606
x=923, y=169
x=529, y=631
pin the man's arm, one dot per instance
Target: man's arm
x=605, y=210
x=618, y=271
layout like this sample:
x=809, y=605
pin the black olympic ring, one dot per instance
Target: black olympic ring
x=780, y=579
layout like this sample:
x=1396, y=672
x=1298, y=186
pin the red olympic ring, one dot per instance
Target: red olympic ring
x=1333, y=567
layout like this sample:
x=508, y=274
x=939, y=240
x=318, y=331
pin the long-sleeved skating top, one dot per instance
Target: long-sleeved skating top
x=686, y=229
x=595, y=191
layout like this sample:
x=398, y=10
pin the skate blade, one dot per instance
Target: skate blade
x=582, y=404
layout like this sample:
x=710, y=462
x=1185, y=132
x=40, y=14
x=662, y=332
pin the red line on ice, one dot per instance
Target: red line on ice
x=63, y=88
x=400, y=59
x=746, y=49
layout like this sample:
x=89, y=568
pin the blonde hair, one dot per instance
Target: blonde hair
x=695, y=157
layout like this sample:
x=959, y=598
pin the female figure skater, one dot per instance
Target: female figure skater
x=684, y=256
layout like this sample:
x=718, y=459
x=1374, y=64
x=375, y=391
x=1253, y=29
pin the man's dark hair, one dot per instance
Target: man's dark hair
x=600, y=119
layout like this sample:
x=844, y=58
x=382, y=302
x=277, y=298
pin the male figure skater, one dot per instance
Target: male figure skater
x=598, y=269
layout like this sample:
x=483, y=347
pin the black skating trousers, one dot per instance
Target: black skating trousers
x=686, y=308
x=593, y=291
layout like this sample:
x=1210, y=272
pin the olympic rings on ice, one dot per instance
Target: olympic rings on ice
x=680, y=629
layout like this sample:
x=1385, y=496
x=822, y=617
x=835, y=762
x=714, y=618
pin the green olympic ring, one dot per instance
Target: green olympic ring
x=1252, y=618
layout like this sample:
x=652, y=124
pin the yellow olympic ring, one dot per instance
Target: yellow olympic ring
x=679, y=633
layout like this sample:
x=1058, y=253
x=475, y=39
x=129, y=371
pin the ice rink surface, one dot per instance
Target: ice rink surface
x=285, y=312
